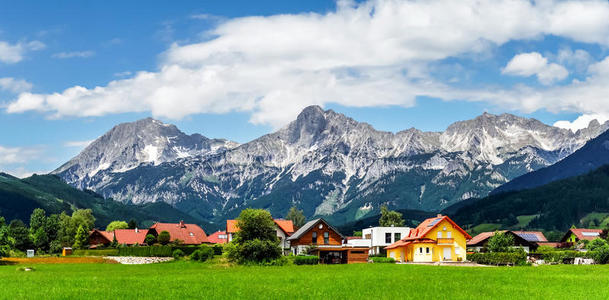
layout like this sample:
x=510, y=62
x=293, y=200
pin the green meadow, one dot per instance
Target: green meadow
x=189, y=280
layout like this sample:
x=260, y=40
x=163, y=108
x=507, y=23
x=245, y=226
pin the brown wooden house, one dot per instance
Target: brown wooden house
x=317, y=237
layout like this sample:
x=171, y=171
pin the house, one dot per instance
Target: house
x=123, y=237
x=218, y=237
x=317, y=237
x=435, y=239
x=381, y=237
x=356, y=241
x=575, y=235
x=187, y=234
x=285, y=228
x=480, y=241
x=536, y=237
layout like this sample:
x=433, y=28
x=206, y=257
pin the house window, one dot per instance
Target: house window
x=397, y=236
x=427, y=250
x=314, y=241
x=388, y=237
x=421, y=250
x=368, y=236
x=448, y=234
x=439, y=234
x=326, y=237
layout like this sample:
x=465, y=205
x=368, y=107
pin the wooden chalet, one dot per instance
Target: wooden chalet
x=317, y=237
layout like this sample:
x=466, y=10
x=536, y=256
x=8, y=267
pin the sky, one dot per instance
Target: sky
x=71, y=70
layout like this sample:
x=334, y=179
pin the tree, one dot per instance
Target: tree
x=81, y=238
x=38, y=220
x=6, y=241
x=256, y=241
x=500, y=242
x=390, y=218
x=132, y=224
x=84, y=218
x=150, y=239
x=164, y=237
x=40, y=239
x=596, y=244
x=296, y=216
x=117, y=225
x=66, y=231
x=19, y=232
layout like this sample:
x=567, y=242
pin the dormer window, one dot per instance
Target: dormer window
x=314, y=238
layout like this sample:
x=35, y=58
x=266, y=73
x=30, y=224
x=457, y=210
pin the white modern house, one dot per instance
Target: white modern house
x=380, y=237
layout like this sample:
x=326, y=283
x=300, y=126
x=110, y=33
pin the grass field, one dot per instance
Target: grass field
x=186, y=280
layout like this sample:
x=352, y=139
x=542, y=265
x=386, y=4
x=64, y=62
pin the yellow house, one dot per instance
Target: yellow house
x=436, y=239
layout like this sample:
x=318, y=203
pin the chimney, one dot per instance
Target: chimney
x=136, y=230
x=182, y=224
x=439, y=215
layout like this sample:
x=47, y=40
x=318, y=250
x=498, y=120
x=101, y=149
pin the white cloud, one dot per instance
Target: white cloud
x=12, y=155
x=14, y=85
x=73, y=54
x=21, y=172
x=367, y=54
x=581, y=122
x=578, y=59
x=14, y=53
x=533, y=63
x=78, y=144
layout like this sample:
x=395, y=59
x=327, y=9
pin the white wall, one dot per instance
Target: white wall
x=377, y=234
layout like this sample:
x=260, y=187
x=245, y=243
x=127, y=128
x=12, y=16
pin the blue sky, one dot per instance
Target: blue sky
x=240, y=69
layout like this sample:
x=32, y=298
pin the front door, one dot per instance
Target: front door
x=447, y=253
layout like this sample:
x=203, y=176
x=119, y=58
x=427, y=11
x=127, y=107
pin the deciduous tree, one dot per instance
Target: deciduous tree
x=117, y=225
x=296, y=216
x=390, y=218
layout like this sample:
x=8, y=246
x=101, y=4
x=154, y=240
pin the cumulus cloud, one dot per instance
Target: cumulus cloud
x=14, y=85
x=73, y=54
x=581, y=122
x=12, y=155
x=363, y=54
x=14, y=53
x=528, y=64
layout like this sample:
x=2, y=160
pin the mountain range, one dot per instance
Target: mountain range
x=323, y=162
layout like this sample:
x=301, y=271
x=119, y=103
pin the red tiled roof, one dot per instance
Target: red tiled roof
x=400, y=243
x=214, y=238
x=429, y=224
x=189, y=234
x=481, y=237
x=130, y=236
x=538, y=234
x=108, y=235
x=286, y=225
x=586, y=234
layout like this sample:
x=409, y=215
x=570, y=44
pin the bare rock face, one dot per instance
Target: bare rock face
x=324, y=162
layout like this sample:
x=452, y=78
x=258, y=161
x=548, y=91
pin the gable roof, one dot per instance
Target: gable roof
x=583, y=234
x=308, y=226
x=482, y=237
x=532, y=236
x=214, y=238
x=189, y=234
x=108, y=235
x=426, y=226
x=286, y=225
x=130, y=236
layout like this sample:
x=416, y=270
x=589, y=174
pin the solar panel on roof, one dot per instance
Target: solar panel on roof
x=590, y=233
x=434, y=222
x=531, y=237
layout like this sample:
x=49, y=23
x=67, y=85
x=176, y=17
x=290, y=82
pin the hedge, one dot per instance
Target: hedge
x=306, y=260
x=149, y=251
x=387, y=260
x=96, y=252
x=498, y=258
x=560, y=256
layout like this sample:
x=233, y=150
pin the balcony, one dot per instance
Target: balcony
x=445, y=241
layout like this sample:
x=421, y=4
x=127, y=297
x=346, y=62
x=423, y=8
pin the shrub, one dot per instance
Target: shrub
x=560, y=256
x=164, y=237
x=150, y=239
x=596, y=244
x=204, y=253
x=306, y=260
x=499, y=258
x=177, y=253
x=387, y=260
x=600, y=255
x=218, y=249
x=256, y=241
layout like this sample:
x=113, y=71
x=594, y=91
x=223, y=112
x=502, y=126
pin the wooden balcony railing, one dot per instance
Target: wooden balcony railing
x=445, y=241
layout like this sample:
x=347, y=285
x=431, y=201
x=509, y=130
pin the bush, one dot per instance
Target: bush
x=600, y=255
x=386, y=260
x=306, y=260
x=177, y=253
x=149, y=251
x=164, y=237
x=218, y=249
x=560, y=256
x=150, y=239
x=96, y=252
x=499, y=258
x=202, y=254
